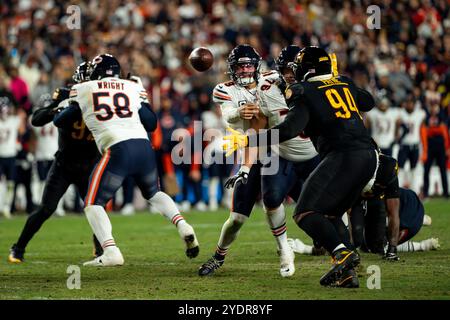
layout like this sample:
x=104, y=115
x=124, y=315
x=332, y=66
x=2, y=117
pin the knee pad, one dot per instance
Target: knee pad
x=298, y=216
x=237, y=220
x=273, y=200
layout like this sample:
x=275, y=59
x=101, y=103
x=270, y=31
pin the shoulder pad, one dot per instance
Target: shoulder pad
x=345, y=79
x=294, y=90
x=270, y=75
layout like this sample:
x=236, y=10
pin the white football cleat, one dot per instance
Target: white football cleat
x=7, y=213
x=299, y=247
x=287, y=266
x=187, y=234
x=201, y=206
x=111, y=257
x=127, y=210
x=60, y=212
x=430, y=244
x=426, y=220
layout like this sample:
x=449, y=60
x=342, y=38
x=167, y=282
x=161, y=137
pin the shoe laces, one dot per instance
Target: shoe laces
x=213, y=263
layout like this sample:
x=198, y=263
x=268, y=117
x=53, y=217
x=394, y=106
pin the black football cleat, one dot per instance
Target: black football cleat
x=16, y=255
x=192, y=248
x=348, y=279
x=343, y=260
x=208, y=268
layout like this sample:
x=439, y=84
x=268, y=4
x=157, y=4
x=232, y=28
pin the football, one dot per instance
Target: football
x=201, y=59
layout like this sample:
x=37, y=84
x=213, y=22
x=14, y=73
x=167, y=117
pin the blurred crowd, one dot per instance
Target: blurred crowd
x=405, y=61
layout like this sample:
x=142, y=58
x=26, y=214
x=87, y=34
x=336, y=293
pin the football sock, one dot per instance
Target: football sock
x=424, y=245
x=277, y=223
x=357, y=225
x=100, y=224
x=212, y=190
x=342, y=230
x=229, y=233
x=164, y=204
x=9, y=195
x=33, y=224
x=321, y=230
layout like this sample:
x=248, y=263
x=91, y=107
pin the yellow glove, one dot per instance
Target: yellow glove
x=234, y=141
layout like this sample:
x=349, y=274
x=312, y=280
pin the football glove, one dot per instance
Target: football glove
x=391, y=254
x=234, y=141
x=242, y=176
x=60, y=94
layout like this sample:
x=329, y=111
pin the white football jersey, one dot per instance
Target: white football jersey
x=9, y=131
x=110, y=109
x=47, y=141
x=383, y=126
x=271, y=101
x=413, y=121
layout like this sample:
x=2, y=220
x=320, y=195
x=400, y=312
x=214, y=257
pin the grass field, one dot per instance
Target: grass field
x=156, y=267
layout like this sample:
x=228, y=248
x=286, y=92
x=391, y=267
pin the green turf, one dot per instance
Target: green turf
x=156, y=267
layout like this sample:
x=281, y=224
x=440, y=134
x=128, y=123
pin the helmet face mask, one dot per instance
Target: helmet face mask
x=82, y=72
x=239, y=61
x=285, y=63
x=244, y=73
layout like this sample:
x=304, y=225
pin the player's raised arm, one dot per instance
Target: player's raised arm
x=148, y=117
x=364, y=100
x=44, y=115
x=68, y=116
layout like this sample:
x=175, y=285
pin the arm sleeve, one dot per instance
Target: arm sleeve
x=294, y=123
x=68, y=116
x=392, y=190
x=364, y=100
x=148, y=117
x=229, y=109
x=44, y=115
x=229, y=112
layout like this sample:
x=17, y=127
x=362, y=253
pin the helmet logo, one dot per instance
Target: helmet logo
x=97, y=59
x=323, y=59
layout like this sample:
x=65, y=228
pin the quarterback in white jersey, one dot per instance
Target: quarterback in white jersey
x=119, y=116
x=270, y=99
x=248, y=95
x=383, y=122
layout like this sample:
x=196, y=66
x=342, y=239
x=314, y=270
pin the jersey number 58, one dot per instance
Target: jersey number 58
x=121, y=105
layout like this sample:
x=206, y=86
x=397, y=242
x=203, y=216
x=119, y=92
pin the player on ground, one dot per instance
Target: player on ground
x=76, y=157
x=326, y=108
x=113, y=109
x=403, y=209
x=259, y=93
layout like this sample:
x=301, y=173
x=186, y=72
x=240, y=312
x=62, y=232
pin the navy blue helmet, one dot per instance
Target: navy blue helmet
x=103, y=66
x=241, y=55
